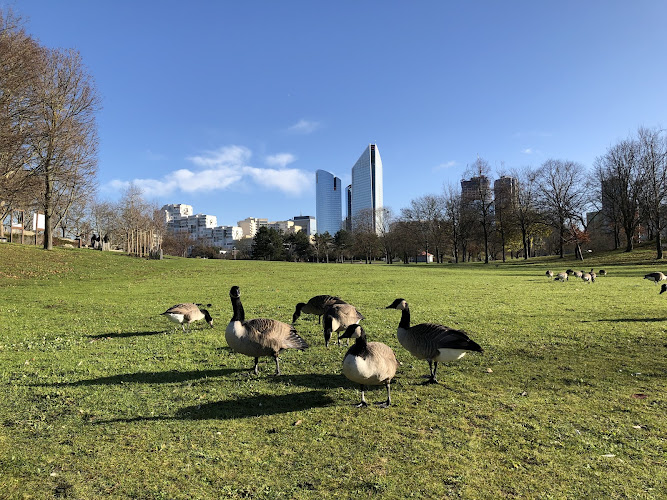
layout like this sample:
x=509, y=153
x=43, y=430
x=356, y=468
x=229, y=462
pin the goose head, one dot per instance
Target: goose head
x=353, y=332
x=235, y=292
x=399, y=304
x=663, y=288
x=207, y=317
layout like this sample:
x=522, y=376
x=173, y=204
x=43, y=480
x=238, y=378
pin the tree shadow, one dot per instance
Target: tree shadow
x=168, y=377
x=254, y=406
x=627, y=320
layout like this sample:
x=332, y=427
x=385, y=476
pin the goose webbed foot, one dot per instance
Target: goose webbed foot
x=363, y=404
x=384, y=404
x=431, y=380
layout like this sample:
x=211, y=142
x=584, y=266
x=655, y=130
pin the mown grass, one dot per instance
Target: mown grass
x=102, y=397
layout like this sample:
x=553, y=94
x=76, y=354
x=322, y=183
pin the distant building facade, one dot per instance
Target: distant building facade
x=367, y=193
x=476, y=188
x=307, y=223
x=328, y=208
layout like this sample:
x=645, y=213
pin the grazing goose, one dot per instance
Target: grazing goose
x=655, y=277
x=259, y=337
x=316, y=305
x=602, y=272
x=432, y=342
x=550, y=273
x=338, y=317
x=368, y=363
x=587, y=277
x=578, y=274
x=561, y=277
x=184, y=314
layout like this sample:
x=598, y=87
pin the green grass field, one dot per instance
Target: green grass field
x=103, y=397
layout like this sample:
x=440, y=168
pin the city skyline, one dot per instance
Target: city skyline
x=328, y=199
x=236, y=114
x=367, y=187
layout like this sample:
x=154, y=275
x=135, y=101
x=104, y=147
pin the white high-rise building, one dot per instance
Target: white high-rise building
x=328, y=208
x=367, y=187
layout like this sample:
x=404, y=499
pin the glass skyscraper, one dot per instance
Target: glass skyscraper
x=328, y=206
x=367, y=186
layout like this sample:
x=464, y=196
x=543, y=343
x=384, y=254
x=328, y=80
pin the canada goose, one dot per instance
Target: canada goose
x=184, y=314
x=316, y=305
x=655, y=277
x=561, y=277
x=432, y=342
x=368, y=363
x=259, y=337
x=602, y=272
x=587, y=277
x=663, y=288
x=593, y=276
x=578, y=274
x=550, y=273
x=338, y=317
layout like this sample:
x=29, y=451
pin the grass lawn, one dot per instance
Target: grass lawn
x=103, y=397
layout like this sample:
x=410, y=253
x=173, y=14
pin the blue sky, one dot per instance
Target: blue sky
x=231, y=106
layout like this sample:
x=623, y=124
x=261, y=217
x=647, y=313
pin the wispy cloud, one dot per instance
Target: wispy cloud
x=527, y=151
x=445, y=166
x=280, y=160
x=304, y=127
x=222, y=169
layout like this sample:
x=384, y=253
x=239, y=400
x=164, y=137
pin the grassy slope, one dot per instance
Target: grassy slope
x=98, y=400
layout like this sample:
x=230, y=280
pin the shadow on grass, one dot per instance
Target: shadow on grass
x=150, y=377
x=125, y=335
x=627, y=320
x=313, y=380
x=254, y=406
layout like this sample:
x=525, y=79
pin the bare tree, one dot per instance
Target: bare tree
x=619, y=179
x=527, y=215
x=563, y=195
x=479, y=200
x=452, y=219
x=63, y=146
x=19, y=63
x=653, y=158
x=366, y=240
x=427, y=215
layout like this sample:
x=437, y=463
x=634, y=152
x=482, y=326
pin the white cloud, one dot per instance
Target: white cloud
x=290, y=181
x=304, y=127
x=527, y=151
x=446, y=165
x=221, y=169
x=280, y=160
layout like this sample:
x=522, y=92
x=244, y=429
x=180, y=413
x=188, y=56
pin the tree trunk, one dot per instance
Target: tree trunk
x=658, y=245
x=48, y=209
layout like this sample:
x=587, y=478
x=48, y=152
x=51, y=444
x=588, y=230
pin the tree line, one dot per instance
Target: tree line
x=48, y=131
x=48, y=164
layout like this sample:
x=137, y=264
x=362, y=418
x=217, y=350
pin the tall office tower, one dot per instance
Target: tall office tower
x=328, y=195
x=348, y=208
x=477, y=189
x=367, y=187
x=505, y=193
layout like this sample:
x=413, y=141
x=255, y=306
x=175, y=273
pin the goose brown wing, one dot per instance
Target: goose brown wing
x=274, y=334
x=181, y=309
